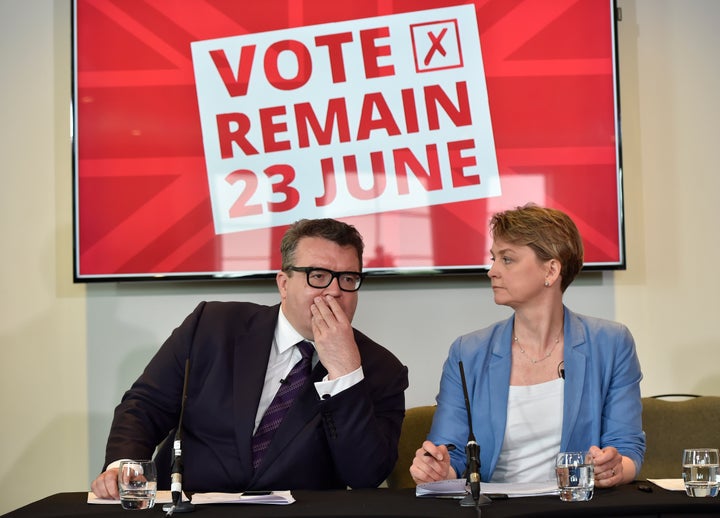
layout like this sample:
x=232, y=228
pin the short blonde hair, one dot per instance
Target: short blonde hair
x=549, y=232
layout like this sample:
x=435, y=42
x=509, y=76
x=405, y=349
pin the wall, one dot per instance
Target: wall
x=68, y=351
x=670, y=81
x=43, y=381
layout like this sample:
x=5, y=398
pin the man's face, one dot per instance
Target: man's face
x=295, y=293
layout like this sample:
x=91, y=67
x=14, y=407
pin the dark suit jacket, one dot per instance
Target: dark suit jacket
x=347, y=440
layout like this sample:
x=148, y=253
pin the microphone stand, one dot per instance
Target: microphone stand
x=472, y=454
x=176, y=472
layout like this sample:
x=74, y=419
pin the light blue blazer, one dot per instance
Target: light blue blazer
x=602, y=404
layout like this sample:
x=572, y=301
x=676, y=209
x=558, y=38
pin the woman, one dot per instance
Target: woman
x=545, y=380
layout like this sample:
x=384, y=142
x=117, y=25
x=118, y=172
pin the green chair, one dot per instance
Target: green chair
x=415, y=429
x=672, y=425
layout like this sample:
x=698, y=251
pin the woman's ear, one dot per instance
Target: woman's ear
x=552, y=272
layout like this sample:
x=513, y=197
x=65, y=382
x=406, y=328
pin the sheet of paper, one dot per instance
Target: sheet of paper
x=671, y=484
x=521, y=489
x=165, y=497
x=274, y=498
x=457, y=487
x=162, y=497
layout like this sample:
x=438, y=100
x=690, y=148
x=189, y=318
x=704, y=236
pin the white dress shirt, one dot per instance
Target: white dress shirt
x=283, y=357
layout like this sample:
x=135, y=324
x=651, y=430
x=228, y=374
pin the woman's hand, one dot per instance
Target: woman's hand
x=611, y=468
x=431, y=463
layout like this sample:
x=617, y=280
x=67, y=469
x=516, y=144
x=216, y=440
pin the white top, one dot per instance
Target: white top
x=532, y=433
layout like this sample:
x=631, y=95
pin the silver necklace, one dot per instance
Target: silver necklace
x=547, y=355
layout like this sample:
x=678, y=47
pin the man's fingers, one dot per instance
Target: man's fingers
x=105, y=485
x=331, y=310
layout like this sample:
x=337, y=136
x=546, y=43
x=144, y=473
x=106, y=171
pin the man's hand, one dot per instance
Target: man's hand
x=334, y=339
x=106, y=485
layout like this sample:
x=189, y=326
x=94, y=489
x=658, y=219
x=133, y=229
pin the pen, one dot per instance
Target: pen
x=450, y=447
x=497, y=496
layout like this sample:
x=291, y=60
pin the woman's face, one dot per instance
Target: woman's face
x=517, y=275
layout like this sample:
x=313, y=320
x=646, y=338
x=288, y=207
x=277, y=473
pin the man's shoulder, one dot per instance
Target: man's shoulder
x=250, y=308
x=371, y=350
x=365, y=342
x=234, y=313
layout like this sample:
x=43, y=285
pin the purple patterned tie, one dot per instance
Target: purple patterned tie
x=289, y=388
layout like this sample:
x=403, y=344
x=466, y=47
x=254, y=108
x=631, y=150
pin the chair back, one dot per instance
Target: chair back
x=415, y=429
x=671, y=426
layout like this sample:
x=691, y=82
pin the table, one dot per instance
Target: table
x=620, y=501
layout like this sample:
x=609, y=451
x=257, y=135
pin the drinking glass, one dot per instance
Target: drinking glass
x=700, y=470
x=575, y=474
x=137, y=482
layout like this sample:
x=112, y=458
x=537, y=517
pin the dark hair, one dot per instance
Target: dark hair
x=549, y=232
x=326, y=228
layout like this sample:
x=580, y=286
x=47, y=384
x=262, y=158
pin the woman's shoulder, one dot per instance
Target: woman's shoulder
x=596, y=324
x=593, y=330
x=488, y=331
x=483, y=339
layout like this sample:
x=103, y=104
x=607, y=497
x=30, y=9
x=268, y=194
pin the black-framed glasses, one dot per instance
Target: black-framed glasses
x=322, y=277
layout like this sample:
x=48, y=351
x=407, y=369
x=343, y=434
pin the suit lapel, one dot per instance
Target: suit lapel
x=303, y=413
x=251, y=354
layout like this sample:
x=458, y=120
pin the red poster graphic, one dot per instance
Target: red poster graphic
x=204, y=127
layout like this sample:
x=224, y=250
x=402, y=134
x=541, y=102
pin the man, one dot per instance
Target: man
x=341, y=430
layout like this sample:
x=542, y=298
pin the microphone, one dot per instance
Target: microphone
x=472, y=454
x=176, y=472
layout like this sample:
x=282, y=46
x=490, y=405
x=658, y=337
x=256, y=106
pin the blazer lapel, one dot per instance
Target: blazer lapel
x=499, y=373
x=575, y=365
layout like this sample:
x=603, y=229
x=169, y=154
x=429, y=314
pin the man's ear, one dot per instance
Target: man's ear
x=281, y=279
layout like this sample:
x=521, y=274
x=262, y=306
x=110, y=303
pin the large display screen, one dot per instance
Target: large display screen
x=203, y=128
